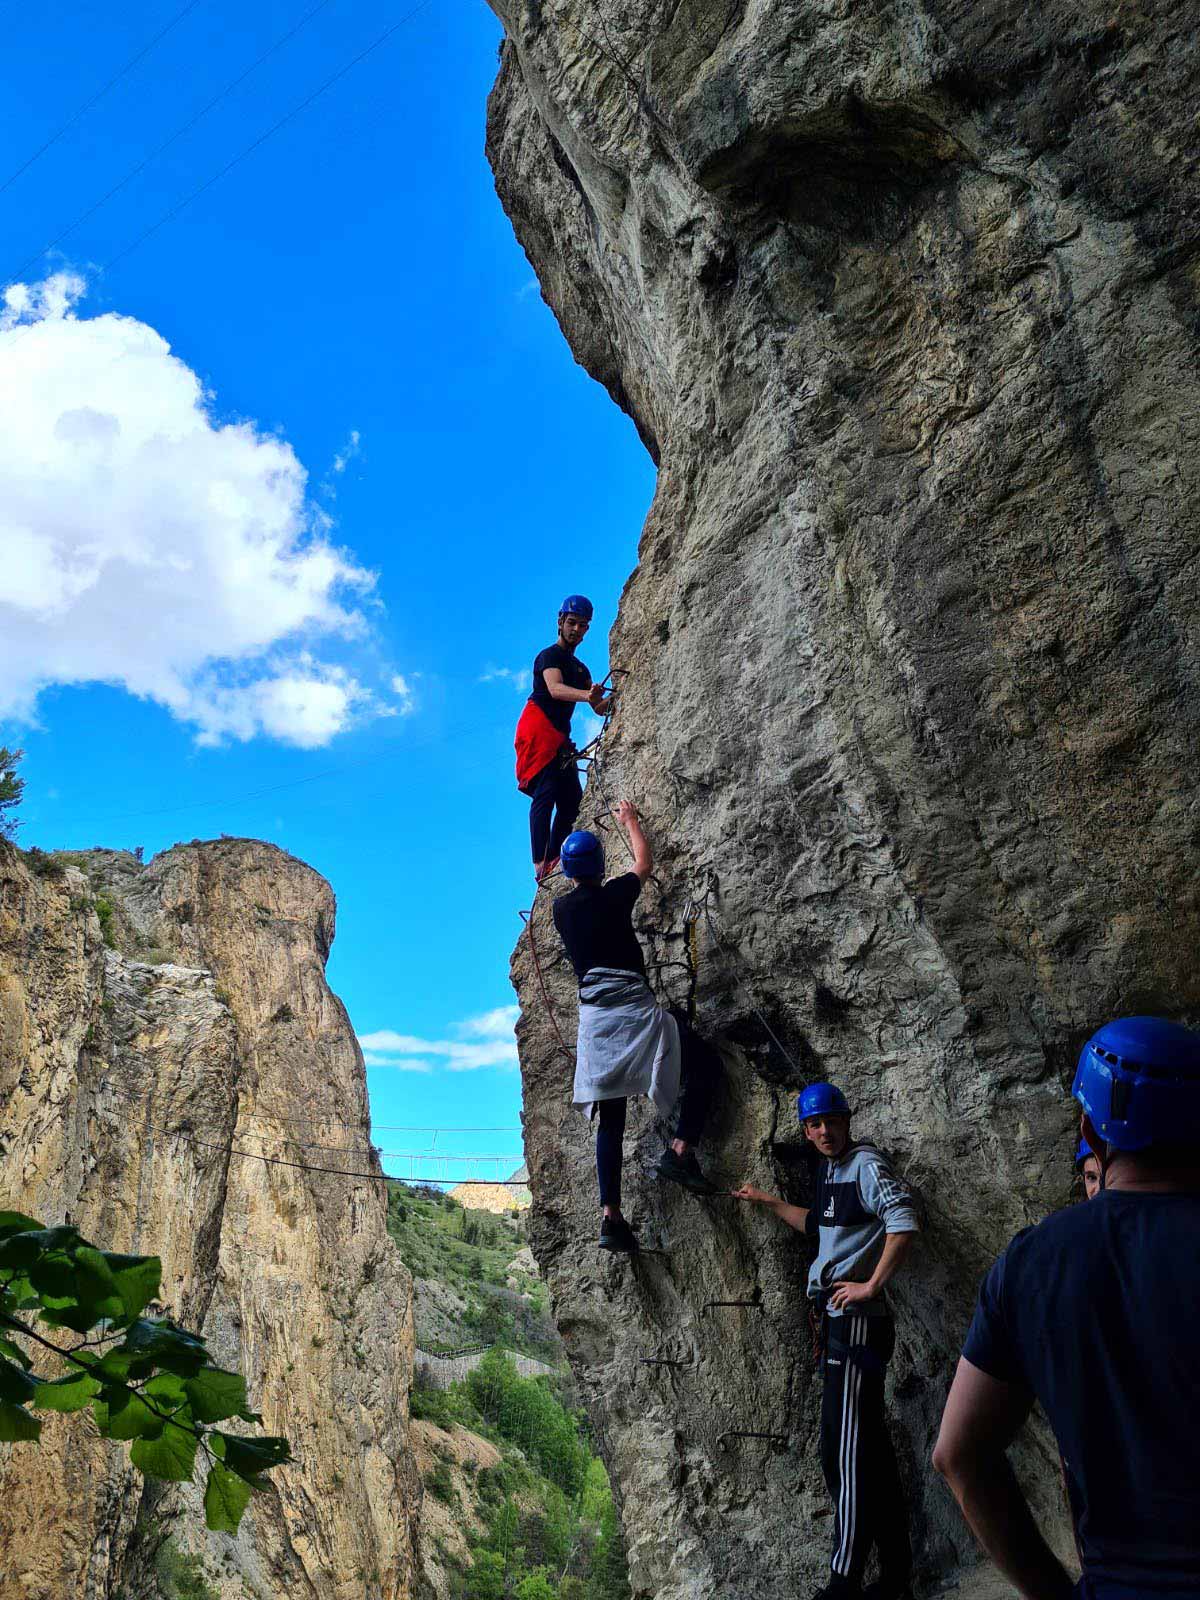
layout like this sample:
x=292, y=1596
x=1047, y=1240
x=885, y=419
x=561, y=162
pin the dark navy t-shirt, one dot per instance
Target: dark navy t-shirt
x=595, y=924
x=1096, y=1312
x=574, y=674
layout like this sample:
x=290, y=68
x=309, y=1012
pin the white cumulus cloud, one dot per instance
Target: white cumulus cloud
x=149, y=545
x=483, y=1041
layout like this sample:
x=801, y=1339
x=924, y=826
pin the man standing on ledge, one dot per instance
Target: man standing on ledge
x=1093, y=1313
x=863, y=1224
x=546, y=769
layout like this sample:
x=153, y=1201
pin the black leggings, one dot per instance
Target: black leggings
x=700, y=1066
x=557, y=792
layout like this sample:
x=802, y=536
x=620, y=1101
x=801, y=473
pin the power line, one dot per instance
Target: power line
x=185, y=127
x=249, y=150
x=319, y=1122
x=333, y=1172
x=99, y=95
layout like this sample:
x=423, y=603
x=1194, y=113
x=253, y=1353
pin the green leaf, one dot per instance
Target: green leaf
x=8, y=1348
x=124, y=1415
x=216, y=1394
x=19, y=1294
x=16, y=1387
x=225, y=1498
x=168, y=1391
x=249, y=1456
x=16, y=1424
x=167, y=1346
x=22, y=1249
x=138, y=1280
x=172, y=1455
x=53, y=1276
x=79, y=1318
x=71, y=1393
x=17, y=1222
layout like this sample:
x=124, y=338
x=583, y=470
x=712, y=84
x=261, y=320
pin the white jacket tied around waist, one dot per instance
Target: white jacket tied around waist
x=628, y=1044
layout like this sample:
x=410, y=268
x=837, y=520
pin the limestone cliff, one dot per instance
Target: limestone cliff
x=159, y=1027
x=905, y=301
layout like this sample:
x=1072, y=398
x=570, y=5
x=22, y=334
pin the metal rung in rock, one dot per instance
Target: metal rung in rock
x=749, y=1305
x=779, y=1441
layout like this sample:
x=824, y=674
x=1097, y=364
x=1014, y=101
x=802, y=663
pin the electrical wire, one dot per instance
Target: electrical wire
x=185, y=127
x=331, y=1172
x=319, y=1122
x=99, y=95
x=288, y=116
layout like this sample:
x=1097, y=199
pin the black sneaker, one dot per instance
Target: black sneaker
x=616, y=1234
x=684, y=1170
x=887, y=1589
x=838, y=1589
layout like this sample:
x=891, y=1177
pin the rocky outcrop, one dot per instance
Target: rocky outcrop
x=905, y=303
x=162, y=1028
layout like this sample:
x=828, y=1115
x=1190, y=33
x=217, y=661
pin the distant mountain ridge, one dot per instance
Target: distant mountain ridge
x=499, y=1198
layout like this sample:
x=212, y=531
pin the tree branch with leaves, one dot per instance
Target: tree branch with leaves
x=12, y=788
x=148, y=1382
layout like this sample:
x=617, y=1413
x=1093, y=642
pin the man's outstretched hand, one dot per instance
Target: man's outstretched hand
x=749, y=1192
x=600, y=702
x=625, y=812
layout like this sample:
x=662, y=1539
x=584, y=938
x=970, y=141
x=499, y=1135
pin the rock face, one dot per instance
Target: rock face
x=904, y=300
x=159, y=1027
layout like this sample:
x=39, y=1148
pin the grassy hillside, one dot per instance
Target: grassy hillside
x=517, y=1502
x=476, y=1281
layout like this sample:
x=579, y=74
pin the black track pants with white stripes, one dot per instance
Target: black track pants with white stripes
x=856, y=1450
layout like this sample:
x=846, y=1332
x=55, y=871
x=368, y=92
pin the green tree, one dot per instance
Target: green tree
x=148, y=1382
x=485, y=1581
x=11, y=789
x=536, y=1586
x=527, y=1413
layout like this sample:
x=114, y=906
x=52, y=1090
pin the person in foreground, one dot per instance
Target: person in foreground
x=546, y=769
x=863, y=1223
x=1093, y=1313
x=628, y=1043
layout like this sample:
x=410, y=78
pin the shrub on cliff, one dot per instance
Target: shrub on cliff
x=148, y=1382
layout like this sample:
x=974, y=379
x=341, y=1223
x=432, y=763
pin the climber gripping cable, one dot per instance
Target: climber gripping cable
x=862, y=1222
x=628, y=1043
x=1093, y=1314
x=546, y=769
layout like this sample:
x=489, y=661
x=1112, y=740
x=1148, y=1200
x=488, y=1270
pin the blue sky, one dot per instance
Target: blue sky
x=293, y=488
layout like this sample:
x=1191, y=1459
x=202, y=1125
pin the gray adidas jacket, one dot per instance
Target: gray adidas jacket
x=859, y=1202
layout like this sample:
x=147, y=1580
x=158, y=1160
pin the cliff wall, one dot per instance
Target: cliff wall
x=905, y=302
x=159, y=1025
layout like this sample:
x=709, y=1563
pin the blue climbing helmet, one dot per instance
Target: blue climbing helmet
x=821, y=1099
x=576, y=605
x=1138, y=1079
x=582, y=856
x=1084, y=1152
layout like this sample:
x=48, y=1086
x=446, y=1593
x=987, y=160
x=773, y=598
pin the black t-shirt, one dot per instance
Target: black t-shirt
x=1095, y=1311
x=594, y=923
x=574, y=674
